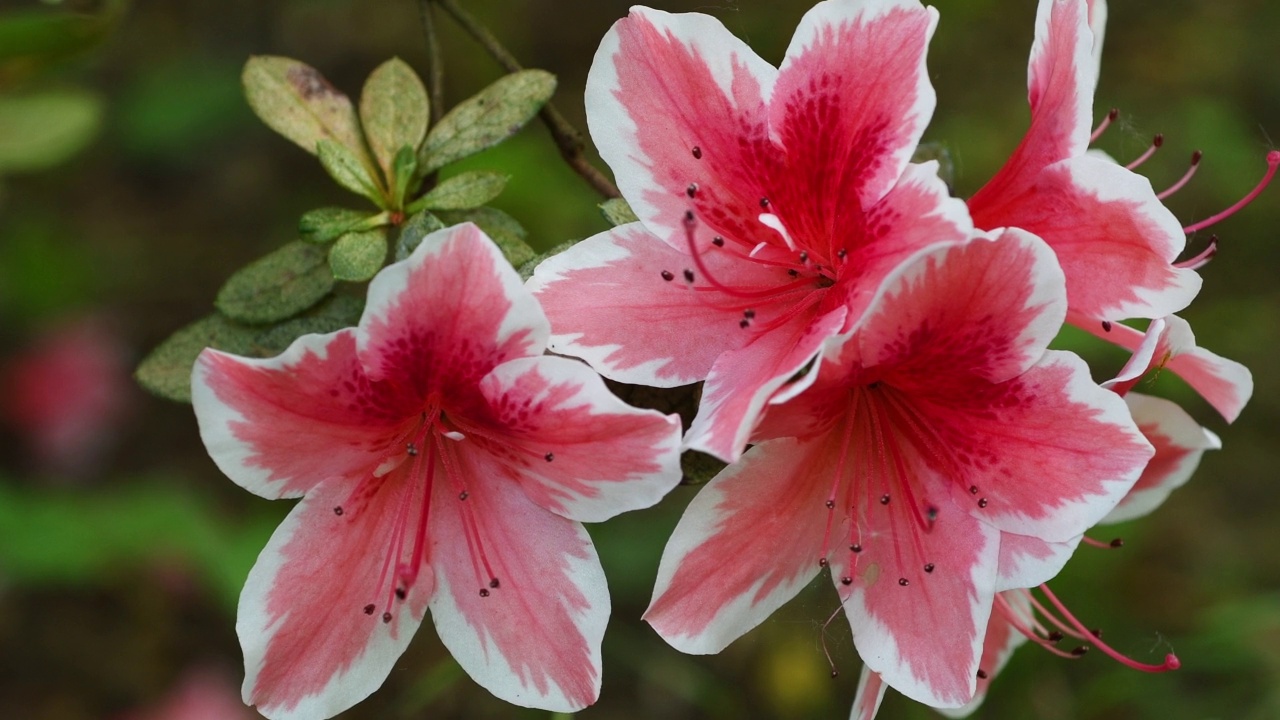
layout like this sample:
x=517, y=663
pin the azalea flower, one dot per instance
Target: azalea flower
x=771, y=202
x=941, y=455
x=442, y=462
x=1117, y=242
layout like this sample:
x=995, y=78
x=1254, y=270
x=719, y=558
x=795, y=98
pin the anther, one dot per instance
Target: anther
x=855, y=548
x=697, y=153
x=338, y=511
x=1117, y=543
x=1106, y=122
x=401, y=593
x=846, y=580
x=692, y=190
x=549, y=457
x=484, y=592
x=744, y=323
x=493, y=583
x=982, y=674
x=831, y=504
x=764, y=202
x=411, y=449
x=1156, y=142
x=931, y=514
x=386, y=617
x=463, y=495
x=841, y=254
x=1080, y=650
x=1186, y=177
x=688, y=275
x=1096, y=632
x=982, y=502
x=368, y=609
x=1056, y=636
x=689, y=217
x=973, y=489
x=804, y=258
x=884, y=499
x=822, y=562
x=748, y=313
x=666, y=275
x=904, y=582
x=928, y=567
x=793, y=272
x=717, y=241
x=1106, y=326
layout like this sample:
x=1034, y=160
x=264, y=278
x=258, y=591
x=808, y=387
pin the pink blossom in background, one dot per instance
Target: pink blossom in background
x=199, y=695
x=68, y=393
x=772, y=201
x=941, y=455
x=443, y=462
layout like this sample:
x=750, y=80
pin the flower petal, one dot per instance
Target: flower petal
x=749, y=541
x=534, y=640
x=743, y=380
x=586, y=454
x=662, y=85
x=985, y=309
x=933, y=661
x=280, y=426
x=1179, y=442
x=1051, y=453
x=442, y=319
x=1116, y=241
x=997, y=647
x=850, y=104
x=866, y=703
x=609, y=305
x=311, y=650
x=1027, y=561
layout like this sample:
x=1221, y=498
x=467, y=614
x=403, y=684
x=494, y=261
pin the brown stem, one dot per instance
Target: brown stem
x=435, y=63
x=566, y=136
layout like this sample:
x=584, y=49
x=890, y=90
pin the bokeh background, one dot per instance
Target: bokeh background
x=122, y=548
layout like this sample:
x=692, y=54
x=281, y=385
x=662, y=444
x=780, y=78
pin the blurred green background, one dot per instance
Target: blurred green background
x=121, y=559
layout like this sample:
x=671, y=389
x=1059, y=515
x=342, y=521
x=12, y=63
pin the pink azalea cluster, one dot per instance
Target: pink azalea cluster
x=876, y=372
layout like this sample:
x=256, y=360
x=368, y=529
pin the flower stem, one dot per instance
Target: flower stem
x=435, y=62
x=566, y=136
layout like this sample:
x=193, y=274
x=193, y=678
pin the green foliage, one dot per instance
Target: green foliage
x=346, y=169
x=618, y=212
x=277, y=286
x=526, y=270
x=42, y=130
x=295, y=100
x=462, y=192
x=413, y=230
x=487, y=118
x=506, y=231
x=327, y=224
x=166, y=372
x=336, y=313
x=394, y=111
x=36, y=37
x=699, y=467
x=358, y=256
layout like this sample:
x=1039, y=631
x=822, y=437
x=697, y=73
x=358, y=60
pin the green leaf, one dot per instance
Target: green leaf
x=166, y=372
x=296, y=101
x=47, y=35
x=526, y=270
x=40, y=131
x=412, y=232
x=346, y=169
x=699, y=467
x=487, y=118
x=505, y=231
x=326, y=224
x=358, y=256
x=336, y=313
x=403, y=170
x=618, y=212
x=463, y=192
x=277, y=286
x=394, y=111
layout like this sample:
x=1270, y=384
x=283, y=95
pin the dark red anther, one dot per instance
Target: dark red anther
x=493, y=583
x=668, y=276
x=928, y=567
x=401, y=593
x=804, y=257
x=884, y=499
x=688, y=275
x=1106, y=326
x=717, y=241
x=831, y=504
x=982, y=674
x=692, y=190
x=338, y=511
x=748, y=313
x=744, y=324
x=368, y=609
x=822, y=562
x=793, y=272
x=973, y=489
x=1096, y=632
x=1056, y=636
x=764, y=202
x=697, y=153
x=982, y=502
x=411, y=449
x=463, y=495
x=386, y=617
x=549, y=457
x=1080, y=650
x=846, y=580
x=484, y=592
x=855, y=548
x=1117, y=543
x=904, y=582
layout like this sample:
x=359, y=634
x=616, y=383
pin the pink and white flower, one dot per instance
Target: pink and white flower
x=941, y=455
x=442, y=462
x=772, y=201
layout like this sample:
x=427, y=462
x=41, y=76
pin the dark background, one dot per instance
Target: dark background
x=118, y=575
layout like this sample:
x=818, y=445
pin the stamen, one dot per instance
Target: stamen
x=1102, y=126
x=549, y=457
x=1186, y=177
x=454, y=435
x=692, y=190
x=1113, y=544
x=1171, y=661
x=1156, y=142
x=1106, y=326
x=697, y=152
x=773, y=222
x=668, y=276
x=1273, y=160
x=338, y=511
x=1202, y=259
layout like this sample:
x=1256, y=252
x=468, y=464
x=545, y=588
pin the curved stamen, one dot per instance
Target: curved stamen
x=1199, y=261
x=1020, y=625
x=1273, y=160
x=485, y=575
x=690, y=222
x=1171, y=661
x=1186, y=177
x=1156, y=142
x=1109, y=545
x=839, y=474
x=1102, y=126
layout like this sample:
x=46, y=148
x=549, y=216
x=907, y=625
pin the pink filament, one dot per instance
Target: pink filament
x=1171, y=661
x=1186, y=177
x=1273, y=160
x=1102, y=126
x=1156, y=142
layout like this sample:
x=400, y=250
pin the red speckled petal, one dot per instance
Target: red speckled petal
x=442, y=319
x=609, y=305
x=280, y=426
x=743, y=380
x=1116, y=241
x=933, y=661
x=575, y=448
x=850, y=104
x=310, y=649
x=866, y=703
x=1179, y=442
x=746, y=544
x=958, y=315
x=1061, y=77
x=662, y=85
x=997, y=647
x=1027, y=561
x=535, y=640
